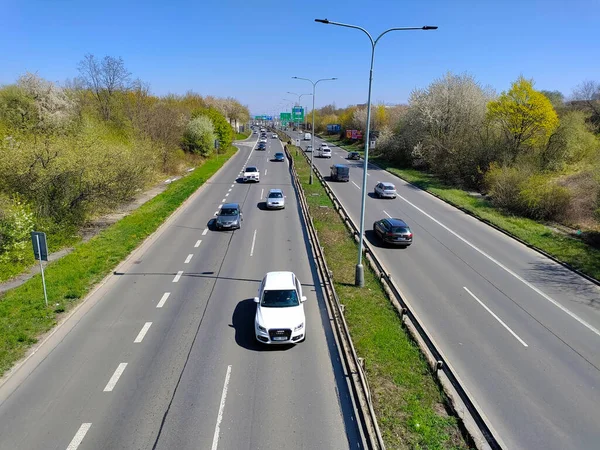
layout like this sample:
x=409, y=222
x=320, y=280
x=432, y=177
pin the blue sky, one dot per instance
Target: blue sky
x=250, y=50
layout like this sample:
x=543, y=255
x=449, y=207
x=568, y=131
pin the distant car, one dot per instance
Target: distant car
x=307, y=136
x=280, y=315
x=309, y=148
x=279, y=157
x=254, y=132
x=353, y=155
x=229, y=217
x=251, y=173
x=275, y=199
x=383, y=189
x=261, y=146
x=393, y=231
x=324, y=152
x=263, y=139
x=274, y=136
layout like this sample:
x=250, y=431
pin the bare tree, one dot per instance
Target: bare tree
x=104, y=78
x=588, y=93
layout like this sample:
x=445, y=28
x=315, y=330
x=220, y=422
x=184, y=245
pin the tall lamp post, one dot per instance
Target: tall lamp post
x=299, y=102
x=359, y=277
x=312, y=142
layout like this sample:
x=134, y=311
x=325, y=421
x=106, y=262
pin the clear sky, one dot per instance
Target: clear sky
x=250, y=50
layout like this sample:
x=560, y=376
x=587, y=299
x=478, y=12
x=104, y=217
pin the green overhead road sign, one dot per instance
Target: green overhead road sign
x=298, y=114
x=285, y=118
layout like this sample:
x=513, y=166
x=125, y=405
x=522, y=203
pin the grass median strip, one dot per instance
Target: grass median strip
x=23, y=315
x=408, y=402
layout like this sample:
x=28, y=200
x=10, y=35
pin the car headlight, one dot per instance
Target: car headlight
x=299, y=327
x=263, y=329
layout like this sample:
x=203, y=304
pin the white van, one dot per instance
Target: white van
x=307, y=136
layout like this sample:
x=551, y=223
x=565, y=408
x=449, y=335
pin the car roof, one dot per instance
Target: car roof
x=275, y=190
x=341, y=165
x=387, y=183
x=397, y=222
x=230, y=205
x=279, y=281
x=279, y=153
x=255, y=169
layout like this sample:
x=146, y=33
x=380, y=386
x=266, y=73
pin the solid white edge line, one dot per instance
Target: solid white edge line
x=204, y=232
x=253, y=242
x=113, y=380
x=502, y=266
x=496, y=317
x=142, y=333
x=189, y=258
x=78, y=438
x=387, y=214
x=355, y=184
x=162, y=301
x=178, y=276
x=198, y=242
x=221, y=408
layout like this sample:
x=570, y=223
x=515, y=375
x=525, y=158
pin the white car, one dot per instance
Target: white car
x=274, y=136
x=275, y=199
x=280, y=311
x=324, y=152
x=263, y=139
x=309, y=148
x=251, y=173
x=383, y=189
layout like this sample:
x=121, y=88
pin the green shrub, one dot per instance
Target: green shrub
x=504, y=186
x=543, y=199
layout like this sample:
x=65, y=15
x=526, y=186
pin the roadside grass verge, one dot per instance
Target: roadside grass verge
x=408, y=402
x=565, y=248
x=23, y=314
x=242, y=136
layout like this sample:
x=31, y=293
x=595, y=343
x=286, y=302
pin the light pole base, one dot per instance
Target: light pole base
x=359, y=276
x=310, y=180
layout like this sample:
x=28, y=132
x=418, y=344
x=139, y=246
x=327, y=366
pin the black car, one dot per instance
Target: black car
x=353, y=155
x=393, y=231
x=261, y=146
x=279, y=157
x=229, y=217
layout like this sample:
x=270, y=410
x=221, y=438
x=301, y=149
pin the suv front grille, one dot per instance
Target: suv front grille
x=280, y=332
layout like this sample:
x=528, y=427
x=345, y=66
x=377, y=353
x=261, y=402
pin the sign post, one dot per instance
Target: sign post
x=40, y=252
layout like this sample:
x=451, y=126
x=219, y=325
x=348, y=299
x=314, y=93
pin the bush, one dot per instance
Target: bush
x=504, y=185
x=199, y=136
x=543, y=199
x=16, y=224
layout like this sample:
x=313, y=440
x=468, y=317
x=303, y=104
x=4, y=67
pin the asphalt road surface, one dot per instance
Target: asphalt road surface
x=165, y=357
x=520, y=330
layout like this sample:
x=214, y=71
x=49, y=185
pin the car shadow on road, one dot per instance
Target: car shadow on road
x=243, y=323
x=374, y=240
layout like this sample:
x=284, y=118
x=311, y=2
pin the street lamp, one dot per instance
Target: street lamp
x=314, y=84
x=299, y=102
x=359, y=278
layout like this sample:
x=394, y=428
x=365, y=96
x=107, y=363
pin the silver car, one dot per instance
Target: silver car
x=309, y=148
x=275, y=199
x=383, y=189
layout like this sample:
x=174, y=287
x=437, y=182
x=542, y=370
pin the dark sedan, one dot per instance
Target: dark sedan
x=279, y=157
x=393, y=231
x=353, y=155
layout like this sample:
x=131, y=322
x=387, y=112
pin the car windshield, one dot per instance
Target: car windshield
x=400, y=230
x=278, y=154
x=251, y=169
x=389, y=188
x=279, y=299
x=275, y=195
x=229, y=212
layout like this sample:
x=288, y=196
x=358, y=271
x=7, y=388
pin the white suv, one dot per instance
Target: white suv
x=280, y=311
x=325, y=151
x=251, y=173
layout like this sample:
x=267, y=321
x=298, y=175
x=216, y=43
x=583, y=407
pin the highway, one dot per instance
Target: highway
x=163, y=356
x=521, y=331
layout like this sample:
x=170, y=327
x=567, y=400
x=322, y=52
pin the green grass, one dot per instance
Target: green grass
x=23, y=315
x=563, y=247
x=408, y=402
x=242, y=136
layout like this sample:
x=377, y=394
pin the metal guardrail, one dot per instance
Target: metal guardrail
x=465, y=407
x=361, y=392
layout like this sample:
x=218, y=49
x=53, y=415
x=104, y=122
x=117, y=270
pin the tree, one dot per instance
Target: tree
x=445, y=123
x=199, y=136
x=525, y=117
x=556, y=98
x=588, y=93
x=104, y=78
x=222, y=129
